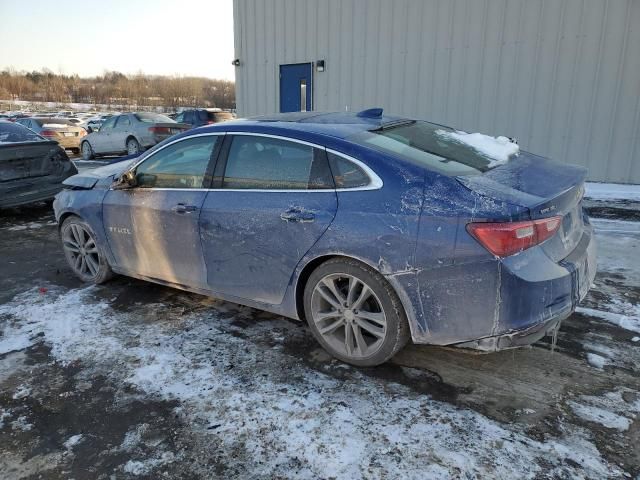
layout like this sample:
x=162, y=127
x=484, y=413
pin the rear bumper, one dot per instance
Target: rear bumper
x=69, y=142
x=519, y=338
x=29, y=194
x=501, y=303
x=37, y=189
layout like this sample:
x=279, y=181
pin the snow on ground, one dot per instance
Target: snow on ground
x=630, y=321
x=596, y=360
x=612, y=191
x=499, y=149
x=73, y=441
x=612, y=410
x=271, y=416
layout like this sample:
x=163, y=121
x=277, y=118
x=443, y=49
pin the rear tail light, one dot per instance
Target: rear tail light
x=504, y=239
x=210, y=122
x=82, y=133
x=48, y=133
x=160, y=130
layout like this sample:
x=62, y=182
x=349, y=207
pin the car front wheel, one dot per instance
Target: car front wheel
x=83, y=253
x=354, y=313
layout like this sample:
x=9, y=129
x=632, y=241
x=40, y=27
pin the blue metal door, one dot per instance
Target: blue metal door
x=155, y=233
x=295, y=87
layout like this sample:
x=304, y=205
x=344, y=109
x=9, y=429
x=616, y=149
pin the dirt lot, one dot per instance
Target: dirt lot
x=132, y=379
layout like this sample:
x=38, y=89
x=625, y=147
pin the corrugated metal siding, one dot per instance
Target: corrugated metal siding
x=562, y=76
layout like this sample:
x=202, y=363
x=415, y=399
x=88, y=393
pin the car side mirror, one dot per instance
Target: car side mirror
x=126, y=180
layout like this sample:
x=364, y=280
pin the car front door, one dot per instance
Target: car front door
x=100, y=140
x=271, y=202
x=152, y=228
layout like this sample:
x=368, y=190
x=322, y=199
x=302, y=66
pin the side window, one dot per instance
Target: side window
x=123, y=122
x=179, y=118
x=267, y=163
x=180, y=165
x=109, y=123
x=347, y=174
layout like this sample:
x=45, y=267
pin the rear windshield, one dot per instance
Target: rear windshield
x=428, y=145
x=54, y=121
x=16, y=133
x=214, y=116
x=153, y=118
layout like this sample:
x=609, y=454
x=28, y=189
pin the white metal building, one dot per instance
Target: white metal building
x=561, y=76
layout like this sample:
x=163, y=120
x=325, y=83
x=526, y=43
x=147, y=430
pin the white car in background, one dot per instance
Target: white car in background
x=129, y=133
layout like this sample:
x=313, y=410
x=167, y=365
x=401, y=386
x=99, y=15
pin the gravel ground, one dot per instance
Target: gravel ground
x=135, y=380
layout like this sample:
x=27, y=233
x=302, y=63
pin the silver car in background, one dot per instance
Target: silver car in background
x=129, y=133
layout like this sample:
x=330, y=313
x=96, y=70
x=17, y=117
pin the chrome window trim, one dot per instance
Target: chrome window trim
x=375, y=182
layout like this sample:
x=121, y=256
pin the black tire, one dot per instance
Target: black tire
x=87, y=151
x=396, y=331
x=69, y=236
x=133, y=146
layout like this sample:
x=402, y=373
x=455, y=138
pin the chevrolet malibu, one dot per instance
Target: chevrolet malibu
x=374, y=229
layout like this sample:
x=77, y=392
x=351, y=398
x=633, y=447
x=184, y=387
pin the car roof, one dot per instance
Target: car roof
x=335, y=124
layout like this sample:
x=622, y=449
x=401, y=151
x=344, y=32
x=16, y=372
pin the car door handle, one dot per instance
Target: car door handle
x=182, y=208
x=297, y=215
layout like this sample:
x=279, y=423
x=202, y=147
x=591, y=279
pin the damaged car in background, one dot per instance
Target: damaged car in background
x=32, y=167
x=374, y=229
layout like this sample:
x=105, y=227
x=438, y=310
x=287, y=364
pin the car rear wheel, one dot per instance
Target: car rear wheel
x=354, y=313
x=133, y=147
x=82, y=251
x=87, y=151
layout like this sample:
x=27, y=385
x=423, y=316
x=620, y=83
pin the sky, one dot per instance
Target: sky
x=162, y=37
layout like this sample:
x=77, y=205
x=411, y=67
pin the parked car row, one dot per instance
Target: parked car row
x=114, y=134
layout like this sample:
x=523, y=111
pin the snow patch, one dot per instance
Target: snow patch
x=610, y=410
x=498, y=149
x=612, y=191
x=143, y=467
x=21, y=423
x=628, y=322
x=22, y=392
x=72, y=441
x=3, y=414
x=596, y=360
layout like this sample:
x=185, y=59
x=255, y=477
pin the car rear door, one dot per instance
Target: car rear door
x=273, y=198
x=119, y=133
x=152, y=228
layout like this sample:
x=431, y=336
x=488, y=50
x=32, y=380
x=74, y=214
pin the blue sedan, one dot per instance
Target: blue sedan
x=374, y=229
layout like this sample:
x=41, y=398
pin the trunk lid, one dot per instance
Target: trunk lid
x=546, y=188
x=29, y=160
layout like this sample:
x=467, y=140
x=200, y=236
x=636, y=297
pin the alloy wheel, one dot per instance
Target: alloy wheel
x=82, y=250
x=348, y=315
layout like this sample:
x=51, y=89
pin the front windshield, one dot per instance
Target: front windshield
x=428, y=145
